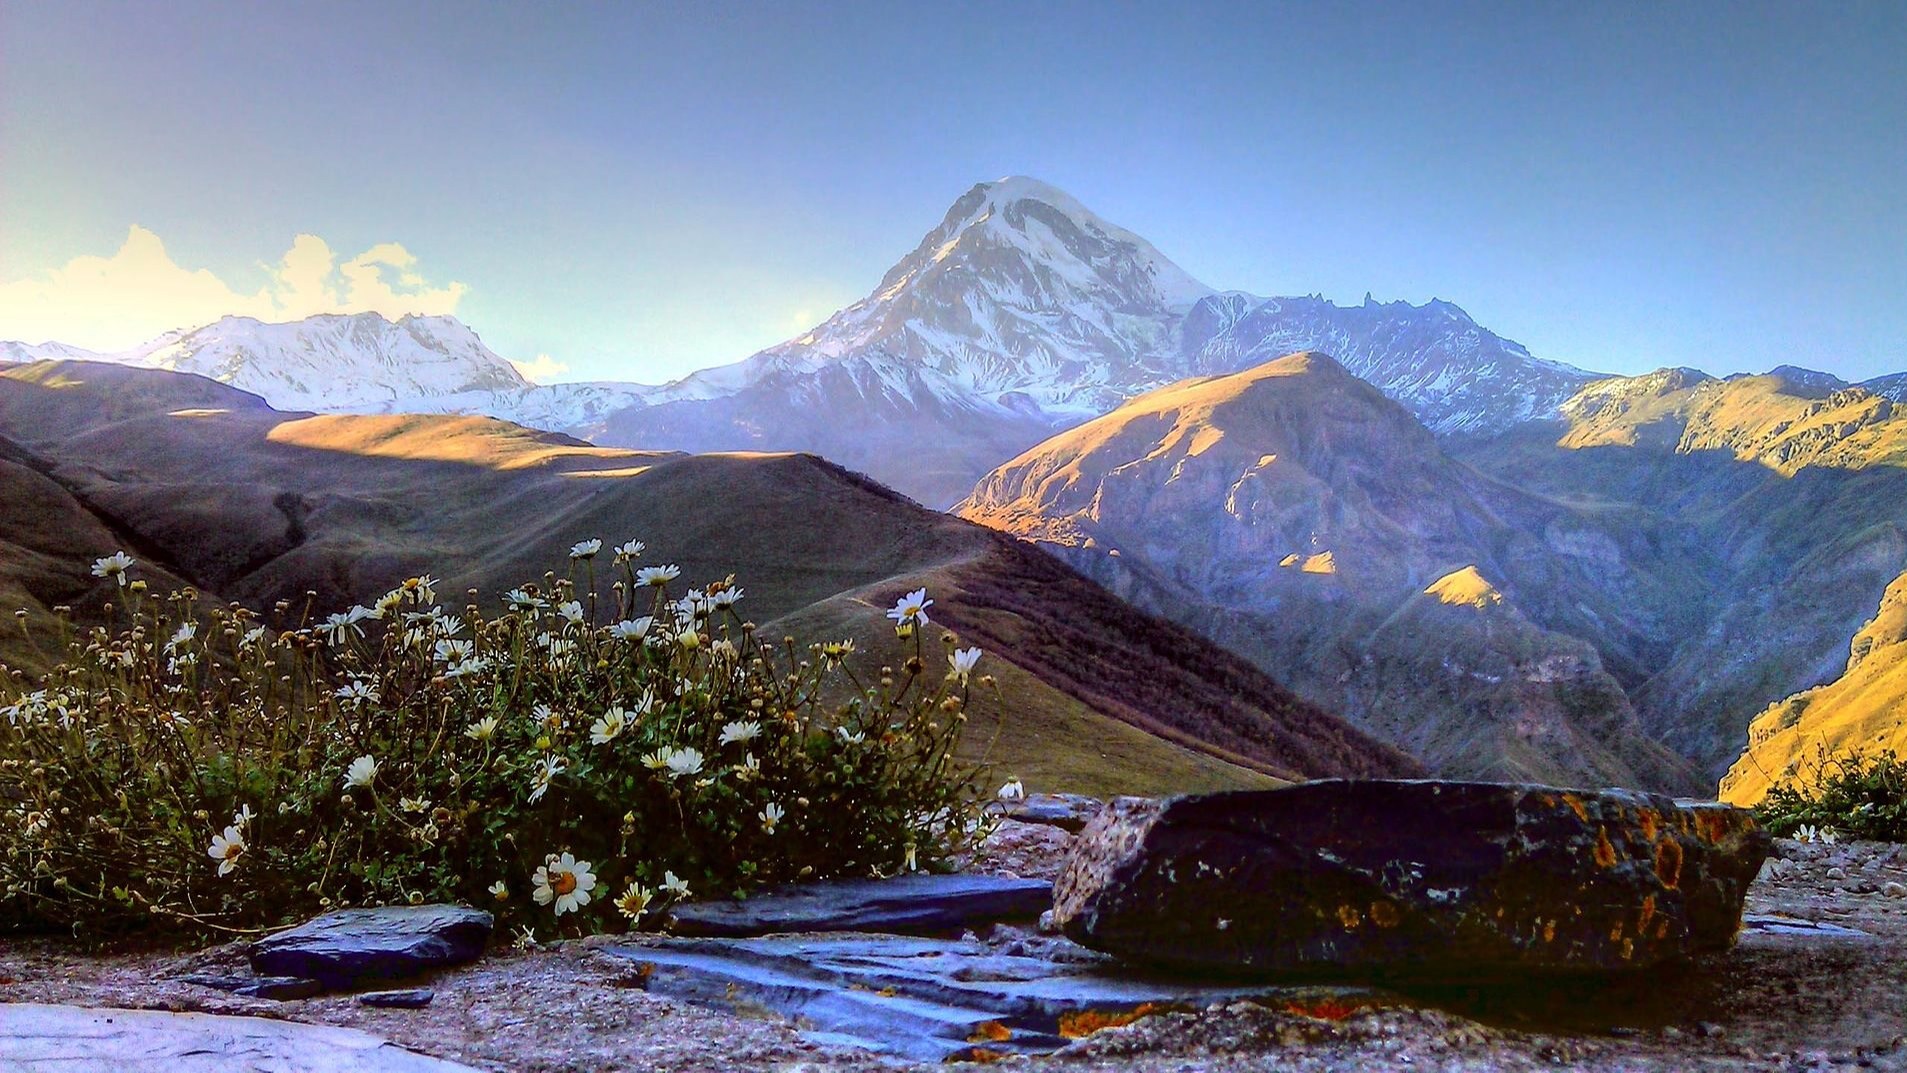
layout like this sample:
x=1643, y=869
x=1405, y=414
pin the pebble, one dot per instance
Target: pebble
x=1837, y=873
x=1894, y=890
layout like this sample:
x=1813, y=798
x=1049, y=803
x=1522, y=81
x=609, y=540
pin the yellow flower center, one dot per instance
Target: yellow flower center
x=563, y=882
x=233, y=849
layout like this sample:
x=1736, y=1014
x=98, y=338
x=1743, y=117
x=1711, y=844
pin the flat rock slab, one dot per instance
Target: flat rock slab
x=352, y=947
x=912, y=905
x=1769, y=924
x=75, y=1039
x=280, y=988
x=1410, y=879
x=1069, y=812
x=413, y=998
x=934, y=1000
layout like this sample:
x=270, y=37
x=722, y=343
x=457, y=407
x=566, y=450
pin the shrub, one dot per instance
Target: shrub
x=1856, y=796
x=186, y=767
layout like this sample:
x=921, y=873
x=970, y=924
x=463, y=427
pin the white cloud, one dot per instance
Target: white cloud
x=542, y=370
x=118, y=302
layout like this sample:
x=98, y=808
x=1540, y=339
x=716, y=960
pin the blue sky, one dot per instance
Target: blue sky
x=638, y=191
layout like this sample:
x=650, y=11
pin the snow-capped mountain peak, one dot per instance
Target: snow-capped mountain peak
x=336, y=362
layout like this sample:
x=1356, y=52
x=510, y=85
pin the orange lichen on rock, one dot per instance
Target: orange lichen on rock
x=1082, y=1023
x=1327, y=1009
x=1646, y=822
x=1349, y=916
x=990, y=1032
x=1668, y=862
x=1576, y=805
x=1605, y=850
x=1385, y=915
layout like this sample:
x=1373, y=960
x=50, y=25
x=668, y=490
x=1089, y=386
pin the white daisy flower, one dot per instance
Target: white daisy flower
x=605, y=729
x=226, y=849
x=850, y=737
x=675, y=885
x=356, y=692
x=483, y=729
x=658, y=575
x=185, y=633
x=547, y=770
x=113, y=566
x=911, y=609
x=521, y=600
x=242, y=819
x=571, y=610
x=345, y=623
x=740, y=732
x=252, y=637
x=360, y=773
x=728, y=597
x=683, y=762
x=585, y=549
x=634, y=901
x=463, y=668
x=632, y=629
x=1013, y=790
x=771, y=815
x=499, y=891
x=451, y=651
x=962, y=661
x=564, y=881
x=628, y=550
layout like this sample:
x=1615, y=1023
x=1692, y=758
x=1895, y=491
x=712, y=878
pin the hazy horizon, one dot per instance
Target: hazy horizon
x=639, y=194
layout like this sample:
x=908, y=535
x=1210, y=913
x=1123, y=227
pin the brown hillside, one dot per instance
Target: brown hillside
x=262, y=506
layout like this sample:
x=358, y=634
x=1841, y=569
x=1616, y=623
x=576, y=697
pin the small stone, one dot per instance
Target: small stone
x=1709, y=1030
x=1672, y=1033
x=415, y=998
x=1894, y=890
x=1837, y=873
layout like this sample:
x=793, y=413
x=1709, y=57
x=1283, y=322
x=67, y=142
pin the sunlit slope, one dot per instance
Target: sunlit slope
x=1862, y=711
x=269, y=506
x=1788, y=493
x=1294, y=514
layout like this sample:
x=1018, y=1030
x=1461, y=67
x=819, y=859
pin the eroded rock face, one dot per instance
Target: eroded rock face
x=357, y=946
x=1410, y=879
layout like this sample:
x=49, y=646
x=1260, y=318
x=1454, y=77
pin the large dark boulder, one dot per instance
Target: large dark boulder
x=912, y=904
x=1422, y=879
x=359, y=946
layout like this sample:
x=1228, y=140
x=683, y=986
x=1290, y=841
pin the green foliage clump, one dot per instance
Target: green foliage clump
x=563, y=759
x=1856, y=796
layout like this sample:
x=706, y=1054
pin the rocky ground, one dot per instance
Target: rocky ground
x=1800, y=992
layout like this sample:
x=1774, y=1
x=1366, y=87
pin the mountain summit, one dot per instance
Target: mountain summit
x=1024, y=313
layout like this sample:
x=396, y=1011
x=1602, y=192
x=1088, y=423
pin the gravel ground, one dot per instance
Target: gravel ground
x=1778, y=1002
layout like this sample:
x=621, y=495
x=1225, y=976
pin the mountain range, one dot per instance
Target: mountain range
x=1507, y=566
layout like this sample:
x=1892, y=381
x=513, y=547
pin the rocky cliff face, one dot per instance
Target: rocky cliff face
x=1864, y=711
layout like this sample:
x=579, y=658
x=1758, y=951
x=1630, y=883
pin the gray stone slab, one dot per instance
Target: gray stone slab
x=74, y=1039
x=353, y=947
x=928, y=999
x=1769, y=924
x=913, y=905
